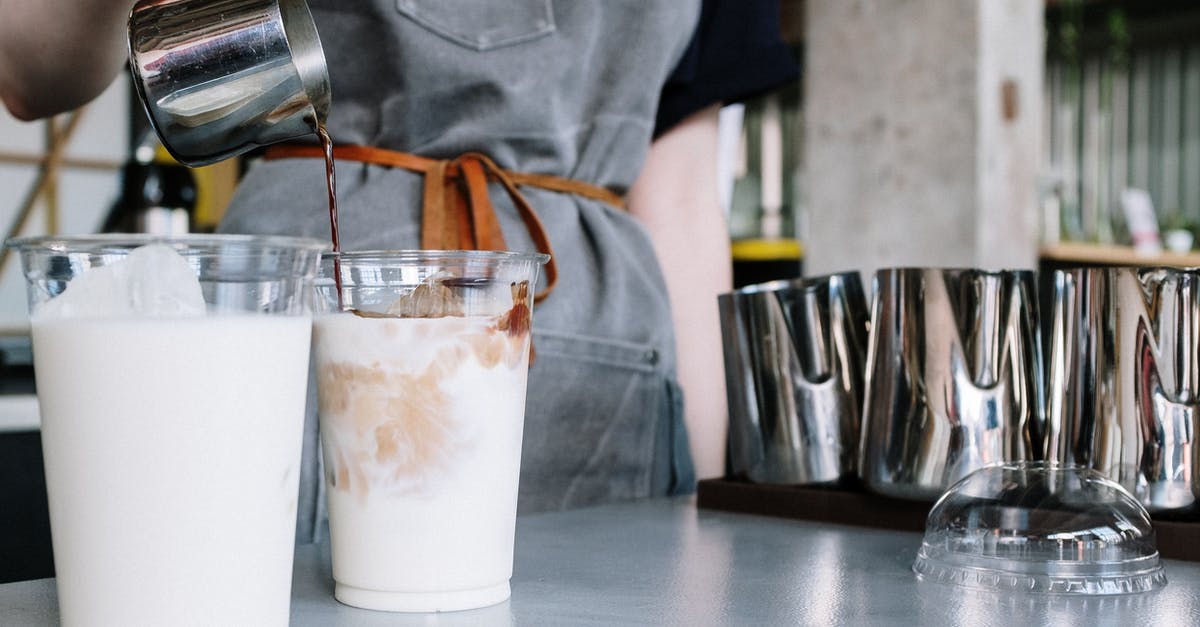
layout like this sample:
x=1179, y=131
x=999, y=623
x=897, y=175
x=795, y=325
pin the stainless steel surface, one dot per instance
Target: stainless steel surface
x=663, y=562
x=794, y=353
x=954, y=377
x=1124, y=377
x=220, y=77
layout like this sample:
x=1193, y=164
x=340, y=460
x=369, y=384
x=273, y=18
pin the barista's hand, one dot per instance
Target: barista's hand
x=56, y=55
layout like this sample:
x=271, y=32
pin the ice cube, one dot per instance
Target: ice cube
x=431, y=299
x=152, y=281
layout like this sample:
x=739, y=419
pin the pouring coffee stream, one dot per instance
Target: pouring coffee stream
x=331, y=189
x=419, y=304
x=330, y=184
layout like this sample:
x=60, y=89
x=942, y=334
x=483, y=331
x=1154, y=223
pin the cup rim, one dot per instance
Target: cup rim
x=435, y=256
x=91, y=241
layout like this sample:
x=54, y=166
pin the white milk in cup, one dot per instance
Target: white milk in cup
x=422, y=360
x=171, y=376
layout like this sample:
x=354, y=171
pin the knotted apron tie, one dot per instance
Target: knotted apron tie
x=456, y=210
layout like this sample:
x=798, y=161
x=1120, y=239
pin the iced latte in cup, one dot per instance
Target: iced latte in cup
x=171, y=376
x=421, y=360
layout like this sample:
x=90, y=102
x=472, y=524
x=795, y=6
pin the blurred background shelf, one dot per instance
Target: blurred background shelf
x=1078, y=253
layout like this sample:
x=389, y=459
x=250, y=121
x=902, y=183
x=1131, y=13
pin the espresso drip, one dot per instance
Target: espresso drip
x=331, y=188
x=330, y=185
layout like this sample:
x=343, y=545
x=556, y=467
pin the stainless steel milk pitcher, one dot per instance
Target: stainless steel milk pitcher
x=794, y=353
x=954, y=377
x=220, y=77
x=1124, y=377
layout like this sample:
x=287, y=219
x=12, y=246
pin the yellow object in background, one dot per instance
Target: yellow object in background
x=758, y=260
x=214, y=187
x=762, y=249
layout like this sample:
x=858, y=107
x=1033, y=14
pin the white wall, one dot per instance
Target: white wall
x=909, y=161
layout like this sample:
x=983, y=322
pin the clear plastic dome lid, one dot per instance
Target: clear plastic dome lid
x=1040, y=527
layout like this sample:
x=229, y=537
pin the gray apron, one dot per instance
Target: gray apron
x=563, y=87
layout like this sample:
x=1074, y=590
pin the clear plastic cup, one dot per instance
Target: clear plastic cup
x=172, y=404
x=422, y=360
x=1040, y=527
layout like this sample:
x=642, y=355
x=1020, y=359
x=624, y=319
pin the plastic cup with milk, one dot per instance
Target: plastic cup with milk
x=171, y=377
x=421, y=360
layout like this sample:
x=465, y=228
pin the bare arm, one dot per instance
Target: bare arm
x=58, y=54
x=676, y=198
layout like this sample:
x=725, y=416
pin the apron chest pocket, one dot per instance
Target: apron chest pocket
x=482, y=25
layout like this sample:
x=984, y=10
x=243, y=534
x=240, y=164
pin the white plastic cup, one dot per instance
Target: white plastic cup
x=172, y=442
x=422, y=362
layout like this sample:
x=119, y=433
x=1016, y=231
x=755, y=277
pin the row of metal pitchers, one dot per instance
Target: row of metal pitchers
x=949, y=372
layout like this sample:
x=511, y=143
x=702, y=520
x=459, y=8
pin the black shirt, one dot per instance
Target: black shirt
x=736, y=52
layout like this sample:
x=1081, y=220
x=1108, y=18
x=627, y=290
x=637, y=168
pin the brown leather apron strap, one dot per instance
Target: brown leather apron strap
x=456, y=210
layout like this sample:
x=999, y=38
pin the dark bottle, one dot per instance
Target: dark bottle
x=158, y=195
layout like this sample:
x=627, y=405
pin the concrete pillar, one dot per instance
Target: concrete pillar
x=922, y=134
